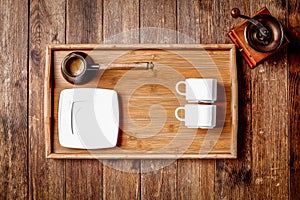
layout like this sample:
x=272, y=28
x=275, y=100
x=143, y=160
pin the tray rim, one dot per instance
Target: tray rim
x=48, y=101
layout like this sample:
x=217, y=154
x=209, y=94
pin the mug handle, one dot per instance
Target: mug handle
x=93, y=67
x=177, y=88
x=176, y=113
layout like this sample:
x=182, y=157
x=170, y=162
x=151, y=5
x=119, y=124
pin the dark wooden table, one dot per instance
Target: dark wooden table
x=268, y=164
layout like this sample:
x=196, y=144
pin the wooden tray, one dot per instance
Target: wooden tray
x=148, y=127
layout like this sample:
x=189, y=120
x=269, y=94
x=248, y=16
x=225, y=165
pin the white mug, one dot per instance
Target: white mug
x=199, y=89
x=198, y=116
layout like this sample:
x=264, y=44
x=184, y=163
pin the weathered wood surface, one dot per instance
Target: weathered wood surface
x=268, y=143
x=47, y=25
x=14, y=167
x=293, y=18
x=233, y=177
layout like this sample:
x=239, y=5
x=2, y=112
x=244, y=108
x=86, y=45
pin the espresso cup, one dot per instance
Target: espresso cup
x=199, y=89
x=76, y=69
x=198, y=116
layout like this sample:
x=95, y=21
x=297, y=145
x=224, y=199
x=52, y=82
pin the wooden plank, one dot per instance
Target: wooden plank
x=195, y=19
x=158, y=22
x=14, y=100
x=159, y=177
x=293, y=8
x=233, y=177
x=195, y=177
x=47, y=25
x=140, y=47
x=270, y=142
x=83, y=179
x=121, y=22
x=121, y=178
x=84, y=22
x=84, y=25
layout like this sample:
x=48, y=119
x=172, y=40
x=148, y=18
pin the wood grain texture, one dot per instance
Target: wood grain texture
x=13, y=104
x=84, y=21
x=195, y=20
x=47, y=25
x=121, y=178
x=121, y=21
x=84, y=25
x=158, y=22
x=233, y=177
x=83, y=179
x=159, y=178
x=196, y=178
x=270, y=143
x=293, y=9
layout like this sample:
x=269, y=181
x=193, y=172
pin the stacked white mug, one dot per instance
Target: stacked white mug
x=198, y=90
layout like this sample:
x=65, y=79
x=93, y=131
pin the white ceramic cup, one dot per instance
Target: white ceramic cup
x=198, y=116
x=199, y=89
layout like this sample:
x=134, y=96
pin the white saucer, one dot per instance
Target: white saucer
x=88, y=118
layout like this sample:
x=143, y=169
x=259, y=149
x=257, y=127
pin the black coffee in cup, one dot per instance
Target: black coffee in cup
x=78, y=68
x=74, y=66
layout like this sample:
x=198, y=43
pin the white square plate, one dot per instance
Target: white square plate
x=88, y=118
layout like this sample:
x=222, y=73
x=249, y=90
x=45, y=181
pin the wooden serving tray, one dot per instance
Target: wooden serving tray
x=148, y=127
